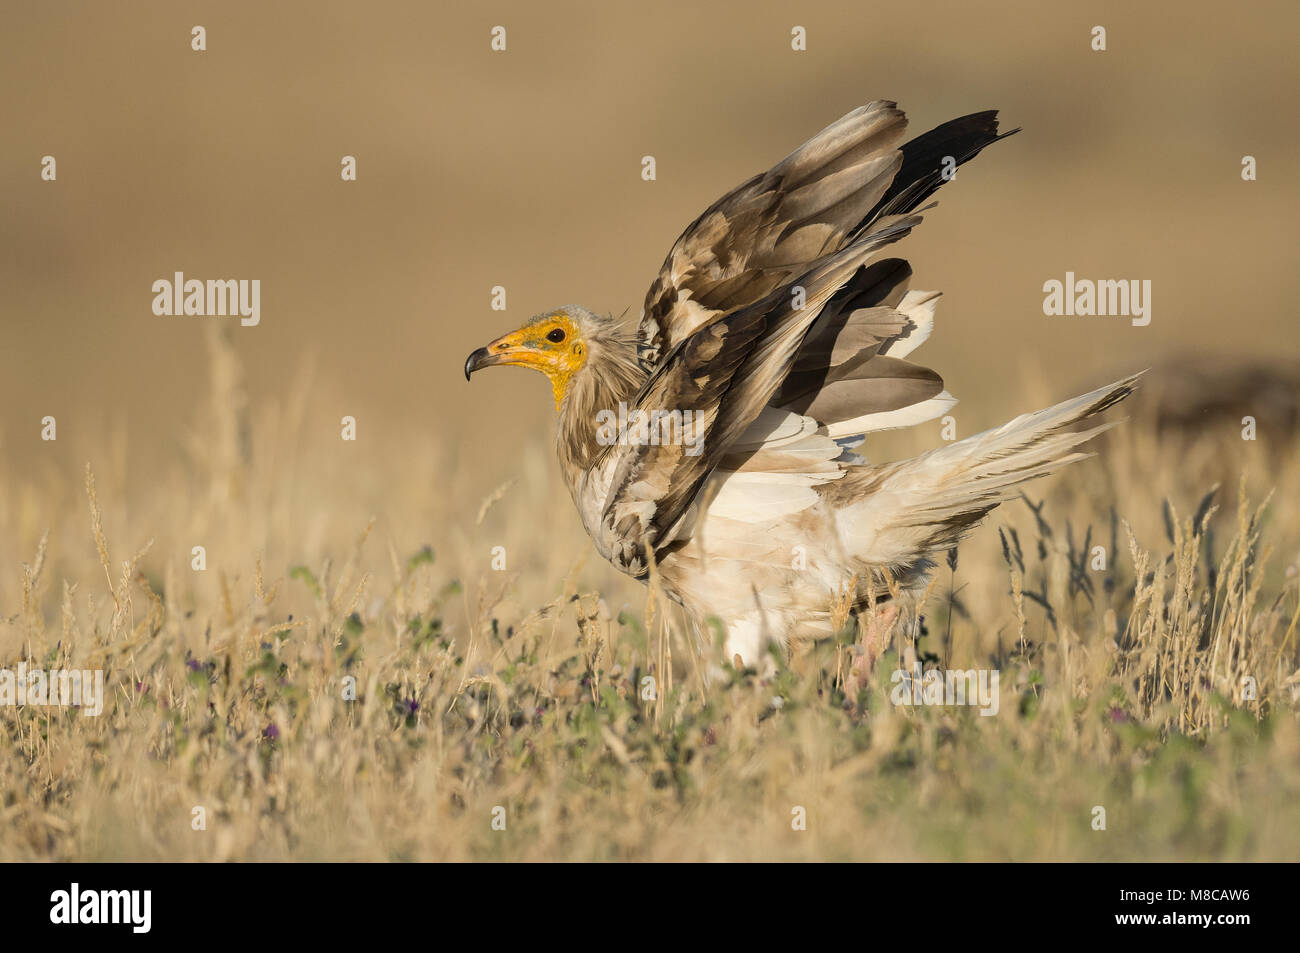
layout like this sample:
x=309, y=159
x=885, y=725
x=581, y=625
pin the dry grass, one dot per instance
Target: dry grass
x=520, y=689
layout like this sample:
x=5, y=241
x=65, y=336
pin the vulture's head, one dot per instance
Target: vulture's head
x=567, y=345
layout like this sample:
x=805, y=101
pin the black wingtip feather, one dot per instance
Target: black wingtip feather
x=921, y=172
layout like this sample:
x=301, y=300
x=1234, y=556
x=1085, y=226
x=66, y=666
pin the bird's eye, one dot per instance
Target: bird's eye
x=556, y=335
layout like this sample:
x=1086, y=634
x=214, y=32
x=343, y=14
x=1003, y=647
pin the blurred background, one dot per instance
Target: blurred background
x=522, y=169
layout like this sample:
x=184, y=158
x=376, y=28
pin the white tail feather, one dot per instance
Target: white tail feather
x=925, y=505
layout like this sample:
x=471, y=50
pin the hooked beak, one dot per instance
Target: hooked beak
x=480, y=358
x=504, y=350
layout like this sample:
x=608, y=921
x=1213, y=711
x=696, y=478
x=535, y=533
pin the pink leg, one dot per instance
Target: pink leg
x=876, y=628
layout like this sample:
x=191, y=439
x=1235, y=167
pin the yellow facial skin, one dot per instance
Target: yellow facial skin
x=552, y=345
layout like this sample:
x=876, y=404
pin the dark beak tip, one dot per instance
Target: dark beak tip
x=475, y=361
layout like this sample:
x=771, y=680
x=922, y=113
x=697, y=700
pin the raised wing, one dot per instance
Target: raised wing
x=768, y=330
x=842, y=184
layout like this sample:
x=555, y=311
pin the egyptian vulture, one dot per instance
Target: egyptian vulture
x=713, y=443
